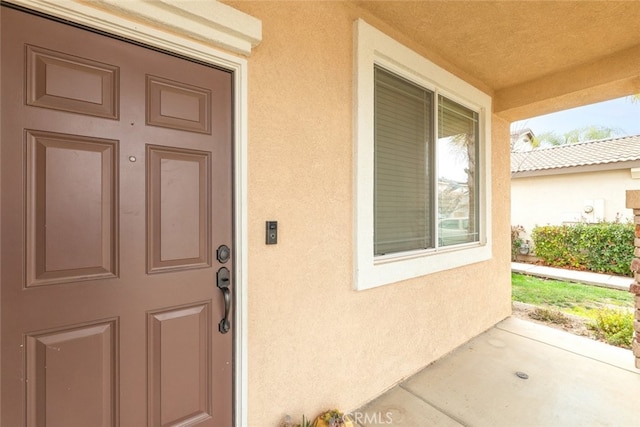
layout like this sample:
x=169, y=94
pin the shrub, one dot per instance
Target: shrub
x=609, y=247
x=614, y=326
x=550, y=316
x=516, y=241
x=557, y=245
x=603, y=247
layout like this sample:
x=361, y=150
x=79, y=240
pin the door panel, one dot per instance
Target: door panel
x=177, y=105
x=116, y=190
x=94, y=90
x=72, y=376
x=179, y=208
x=66, y=245
x=179, y=337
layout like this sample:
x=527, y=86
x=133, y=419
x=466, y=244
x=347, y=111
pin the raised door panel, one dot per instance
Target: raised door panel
x=71, y=208
x=179, y=340
x=72, y=377
x=65, y=82
x=178, y=209
x=177, y=105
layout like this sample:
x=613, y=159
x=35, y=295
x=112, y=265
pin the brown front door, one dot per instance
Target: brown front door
x=116, y=193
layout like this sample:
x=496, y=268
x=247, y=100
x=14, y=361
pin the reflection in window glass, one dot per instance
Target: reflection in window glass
x=457, y=173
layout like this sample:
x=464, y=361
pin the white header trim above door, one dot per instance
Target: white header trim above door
x=185, y=26
x=170, y=26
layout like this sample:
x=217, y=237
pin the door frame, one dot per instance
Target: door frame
x=228, y=29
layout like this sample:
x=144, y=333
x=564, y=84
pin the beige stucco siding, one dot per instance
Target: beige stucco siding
x=314, y=342
x=552, y=199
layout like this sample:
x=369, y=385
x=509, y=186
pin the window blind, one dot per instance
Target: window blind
x=403, y=152
x=454, y=119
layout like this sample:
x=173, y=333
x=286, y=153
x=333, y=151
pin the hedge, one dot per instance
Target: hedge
x=602, y=247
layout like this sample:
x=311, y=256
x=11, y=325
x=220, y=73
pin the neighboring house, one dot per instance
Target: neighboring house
x=138, y=189
x=522, y=140
x=454, y=199
x=573, y=183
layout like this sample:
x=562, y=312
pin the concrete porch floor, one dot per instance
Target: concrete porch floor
x=572, y=381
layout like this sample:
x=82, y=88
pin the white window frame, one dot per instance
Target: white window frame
x=372, y=47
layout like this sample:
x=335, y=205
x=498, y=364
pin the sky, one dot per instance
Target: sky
x=620, y=114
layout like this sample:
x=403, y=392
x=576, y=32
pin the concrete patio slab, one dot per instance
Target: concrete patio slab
x=582, y=346
x=572, y=381
x=399, y=407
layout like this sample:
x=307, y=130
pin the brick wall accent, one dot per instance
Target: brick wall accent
x=633, y=202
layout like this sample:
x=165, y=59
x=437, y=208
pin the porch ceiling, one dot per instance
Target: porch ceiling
x=509, y=46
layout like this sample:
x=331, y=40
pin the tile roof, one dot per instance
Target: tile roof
x=597, y=152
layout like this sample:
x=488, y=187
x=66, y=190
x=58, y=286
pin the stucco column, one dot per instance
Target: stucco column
x=633, y=202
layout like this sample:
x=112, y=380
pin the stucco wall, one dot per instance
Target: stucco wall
x=548, y=199
x=314, y=342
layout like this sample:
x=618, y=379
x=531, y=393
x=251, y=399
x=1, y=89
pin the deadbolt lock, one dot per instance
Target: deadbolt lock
x=223, y=254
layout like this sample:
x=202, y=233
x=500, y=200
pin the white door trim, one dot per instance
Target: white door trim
x=197, y=30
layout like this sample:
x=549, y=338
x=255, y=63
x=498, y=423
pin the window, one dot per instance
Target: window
x=407, y=177
x=421, y=150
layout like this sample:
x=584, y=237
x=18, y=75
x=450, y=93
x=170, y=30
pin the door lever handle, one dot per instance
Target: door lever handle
x=224, y=326
x=223, y=283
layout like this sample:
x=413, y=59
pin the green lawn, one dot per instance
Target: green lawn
x=574, y=298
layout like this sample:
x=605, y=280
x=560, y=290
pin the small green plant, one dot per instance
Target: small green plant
x=333, y=418
x=549, y=315
x=516, y=240
x=614, y=326
x=288, y=423
x=330, y=418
